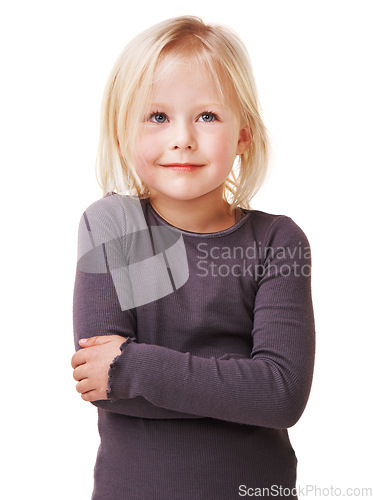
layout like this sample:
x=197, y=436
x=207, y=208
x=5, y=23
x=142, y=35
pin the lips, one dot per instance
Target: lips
x=182, y=166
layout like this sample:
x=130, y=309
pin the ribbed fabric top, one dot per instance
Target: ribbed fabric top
x=219, y=357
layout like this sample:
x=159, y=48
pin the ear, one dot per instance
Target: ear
x=244, y=140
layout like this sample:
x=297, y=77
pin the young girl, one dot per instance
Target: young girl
x=193, y=317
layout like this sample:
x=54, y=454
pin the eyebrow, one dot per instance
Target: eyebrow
x=202, y=105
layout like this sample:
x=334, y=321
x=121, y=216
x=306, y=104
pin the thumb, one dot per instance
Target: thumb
x=98, y=340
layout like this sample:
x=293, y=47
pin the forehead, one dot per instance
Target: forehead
x=192, y=76
x=184, y=80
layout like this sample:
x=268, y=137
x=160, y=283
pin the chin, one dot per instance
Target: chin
x=184, y=197
x=183, y=194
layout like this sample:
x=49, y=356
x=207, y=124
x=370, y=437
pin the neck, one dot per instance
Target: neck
x=200, y=215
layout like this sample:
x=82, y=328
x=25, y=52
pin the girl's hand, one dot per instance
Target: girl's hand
x=91, y=365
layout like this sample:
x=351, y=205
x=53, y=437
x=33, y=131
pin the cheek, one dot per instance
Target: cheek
x=148, y=148
x=147, y=151
x=223, y=147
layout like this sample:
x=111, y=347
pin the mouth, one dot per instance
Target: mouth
x=188, y=167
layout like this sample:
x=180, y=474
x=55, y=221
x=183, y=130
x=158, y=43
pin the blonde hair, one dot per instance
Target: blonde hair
x=128, y=90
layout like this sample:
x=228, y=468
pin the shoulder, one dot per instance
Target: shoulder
x=104, y=227
x=115, y=214
x=277, y=229
x=113, y=217
x=102, y=219
x=111, y=205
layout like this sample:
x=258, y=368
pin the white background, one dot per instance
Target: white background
x=313, y=66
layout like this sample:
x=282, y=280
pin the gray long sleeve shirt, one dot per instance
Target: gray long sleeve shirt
x=219, y=354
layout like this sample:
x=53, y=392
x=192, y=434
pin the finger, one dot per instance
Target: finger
x=78, y=358
x=97, y=340
x=80, y=372
x=92, y=396
x=85, y=385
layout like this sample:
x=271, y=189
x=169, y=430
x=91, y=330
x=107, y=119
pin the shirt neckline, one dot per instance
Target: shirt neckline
x=216, y=234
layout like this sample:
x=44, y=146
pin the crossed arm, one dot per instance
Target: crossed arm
x=270, y=388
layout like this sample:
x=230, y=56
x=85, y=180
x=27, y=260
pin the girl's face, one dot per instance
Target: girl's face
x=189, y=138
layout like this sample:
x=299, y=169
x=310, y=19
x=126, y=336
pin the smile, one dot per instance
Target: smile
x=188, y=167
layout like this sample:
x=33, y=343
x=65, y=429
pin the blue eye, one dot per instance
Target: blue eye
x=158, y=118
x=208, y=117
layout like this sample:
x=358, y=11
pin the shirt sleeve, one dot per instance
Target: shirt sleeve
x=271, y=387
x=96, y=307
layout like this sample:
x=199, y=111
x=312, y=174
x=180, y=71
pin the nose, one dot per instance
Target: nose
x=183, y=137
